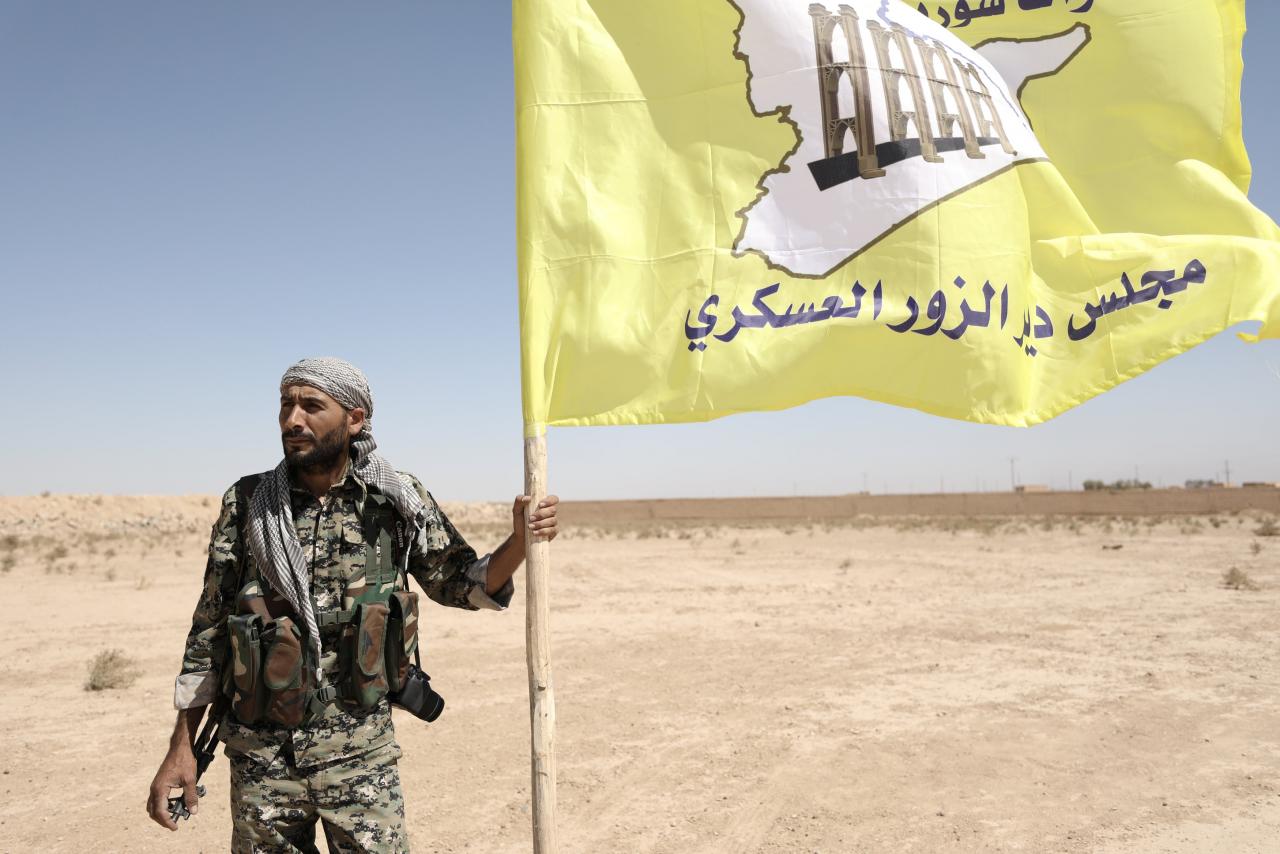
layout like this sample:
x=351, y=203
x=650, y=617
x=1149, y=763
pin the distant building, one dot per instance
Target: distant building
x=1205, y=484
x=1260, y=484
x=1031, y=487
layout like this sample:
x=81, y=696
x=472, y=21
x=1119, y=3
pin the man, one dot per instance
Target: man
x=301, y=537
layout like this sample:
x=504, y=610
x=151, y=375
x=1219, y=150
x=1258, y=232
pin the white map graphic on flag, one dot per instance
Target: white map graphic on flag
x=809, y=231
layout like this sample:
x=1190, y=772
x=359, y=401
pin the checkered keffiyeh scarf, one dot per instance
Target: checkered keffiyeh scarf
x=273, y=540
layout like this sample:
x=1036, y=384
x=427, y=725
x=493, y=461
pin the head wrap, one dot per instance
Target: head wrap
x=273, y=540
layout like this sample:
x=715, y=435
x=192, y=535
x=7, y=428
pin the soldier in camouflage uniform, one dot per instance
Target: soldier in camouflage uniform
x=339, y=768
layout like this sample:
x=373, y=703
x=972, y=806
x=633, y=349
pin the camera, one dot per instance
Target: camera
x=417, y=696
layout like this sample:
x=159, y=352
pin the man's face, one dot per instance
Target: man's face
x=314, y=428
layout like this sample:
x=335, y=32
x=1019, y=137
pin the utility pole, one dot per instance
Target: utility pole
x=1227, y=463
x=1071, y=481
x=1013, y=476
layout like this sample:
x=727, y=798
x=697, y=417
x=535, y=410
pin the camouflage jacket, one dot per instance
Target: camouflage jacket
x=331, y=535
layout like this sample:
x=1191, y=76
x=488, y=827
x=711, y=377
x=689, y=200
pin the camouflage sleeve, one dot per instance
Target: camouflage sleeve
x=447, y=568
x=197, y=683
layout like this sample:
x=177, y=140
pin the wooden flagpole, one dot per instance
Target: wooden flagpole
x=542, y=706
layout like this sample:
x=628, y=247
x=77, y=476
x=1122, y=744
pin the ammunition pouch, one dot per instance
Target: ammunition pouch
x=268, y=681
x=282, y=672
x=248, y=693
x=362, y=656
x=375, y=643
x=402, y=638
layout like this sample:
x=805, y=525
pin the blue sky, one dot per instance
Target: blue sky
x=194, y=195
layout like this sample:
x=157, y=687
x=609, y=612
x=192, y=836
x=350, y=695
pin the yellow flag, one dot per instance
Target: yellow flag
x=992, y=211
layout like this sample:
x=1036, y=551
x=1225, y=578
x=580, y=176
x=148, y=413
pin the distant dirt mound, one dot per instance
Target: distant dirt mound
x=55, y=517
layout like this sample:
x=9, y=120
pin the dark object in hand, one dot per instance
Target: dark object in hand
x=178, y=807
x=418, y=697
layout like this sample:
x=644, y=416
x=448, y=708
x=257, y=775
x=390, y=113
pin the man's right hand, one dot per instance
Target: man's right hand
x=177, y=771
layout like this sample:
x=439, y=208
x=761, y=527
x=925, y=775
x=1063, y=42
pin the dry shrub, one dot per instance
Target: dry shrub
x=110, y=574
x=846, y=563
x=1255, y=548
x=109, y=670
x=1238, y=579
x=9, y=562
x=1268, y=528
x=142, y=583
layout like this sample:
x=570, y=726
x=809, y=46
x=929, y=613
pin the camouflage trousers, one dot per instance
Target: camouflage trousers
x=357, y=799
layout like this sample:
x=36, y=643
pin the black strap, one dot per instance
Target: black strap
x=245, y=488
x=403, y=568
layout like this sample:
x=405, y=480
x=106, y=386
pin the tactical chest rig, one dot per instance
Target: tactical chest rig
x=268, y=677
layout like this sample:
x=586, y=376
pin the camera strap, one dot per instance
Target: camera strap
x=405, y=548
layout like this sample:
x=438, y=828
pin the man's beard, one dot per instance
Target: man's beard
x=323, y=454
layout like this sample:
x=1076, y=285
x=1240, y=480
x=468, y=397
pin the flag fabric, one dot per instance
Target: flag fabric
x=988, y=211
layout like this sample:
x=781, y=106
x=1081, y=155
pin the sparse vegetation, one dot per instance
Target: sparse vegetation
x=1238, y=579
x=1268, y=528
x=110, y=574
x=109, y=670
x=142, y=583
x=1255, y=548
x=846, y=563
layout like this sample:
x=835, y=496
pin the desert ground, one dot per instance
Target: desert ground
x=862, y=684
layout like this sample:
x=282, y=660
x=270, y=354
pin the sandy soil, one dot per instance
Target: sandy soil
x=896, y=686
